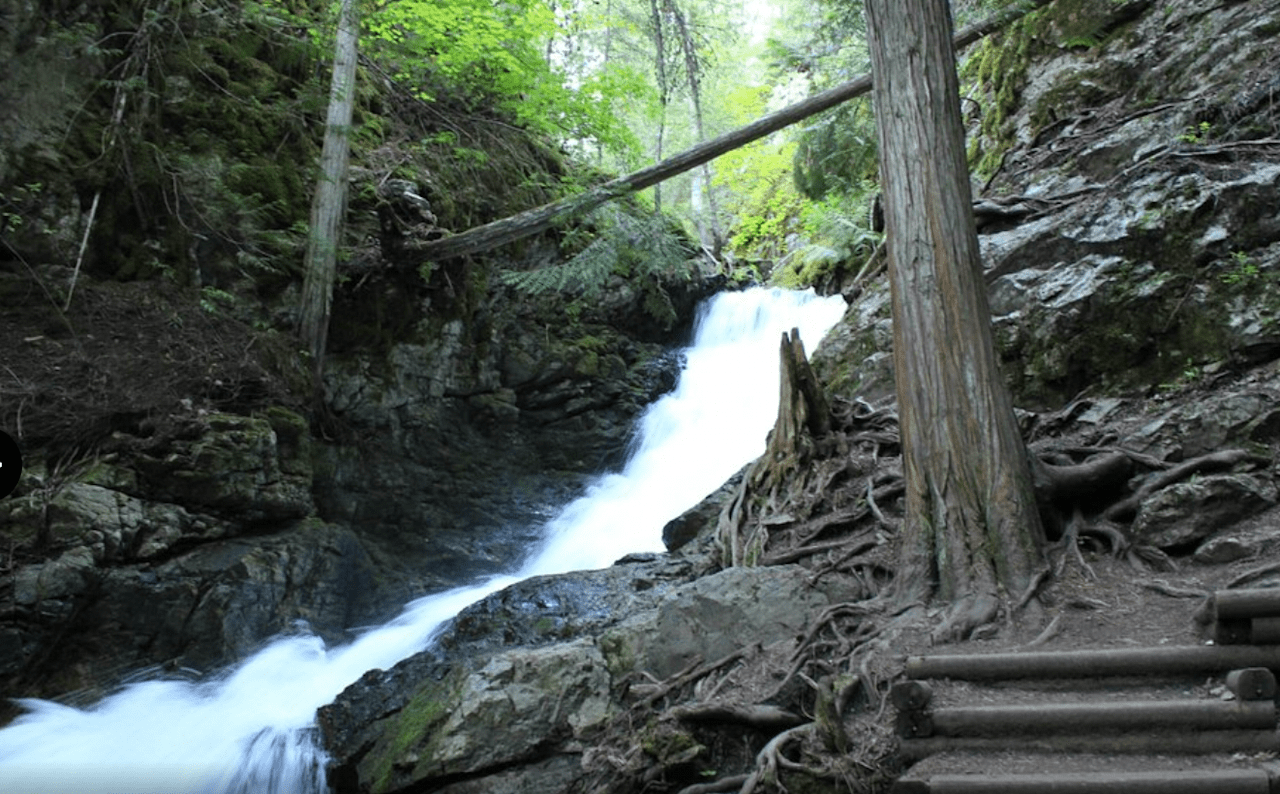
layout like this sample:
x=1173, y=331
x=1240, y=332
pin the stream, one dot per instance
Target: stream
x=250, y=729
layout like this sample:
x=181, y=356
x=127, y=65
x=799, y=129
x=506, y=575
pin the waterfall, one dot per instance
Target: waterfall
x=250, y=730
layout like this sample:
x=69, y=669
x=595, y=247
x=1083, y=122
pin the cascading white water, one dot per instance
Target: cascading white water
x=248, y=731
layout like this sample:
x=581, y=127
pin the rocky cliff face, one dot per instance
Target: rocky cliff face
x=1126, y=188
x=187, y=541
x=1128, y=175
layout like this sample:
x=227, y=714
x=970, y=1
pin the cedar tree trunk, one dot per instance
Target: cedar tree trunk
x=972, y=534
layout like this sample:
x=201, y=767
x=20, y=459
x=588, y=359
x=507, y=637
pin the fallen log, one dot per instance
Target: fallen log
x=539, y=219
x=1107, y=716
x=765, y=717
x=1173, y=660
x=1142, y=743
x=1217, y=781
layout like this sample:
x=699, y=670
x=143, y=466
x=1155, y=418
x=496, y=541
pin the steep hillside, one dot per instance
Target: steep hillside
x=184, y=497
x=1127, y=172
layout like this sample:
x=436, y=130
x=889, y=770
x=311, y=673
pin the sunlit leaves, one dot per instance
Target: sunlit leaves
x=476, y=53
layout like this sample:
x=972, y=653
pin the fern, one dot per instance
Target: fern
x=629, y=245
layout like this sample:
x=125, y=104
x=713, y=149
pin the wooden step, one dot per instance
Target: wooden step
x=1261, y=602
x=1224, y=781
x=1110, y=716
x=1138, y=743
x=1171, y=660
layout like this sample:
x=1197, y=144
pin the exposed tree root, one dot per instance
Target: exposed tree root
x=1222, y=460
x=1050, y=631
x=967, y=614
x=827, y=496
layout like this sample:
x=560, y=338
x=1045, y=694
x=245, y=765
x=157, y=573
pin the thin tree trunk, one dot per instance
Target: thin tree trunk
x=708, y=221
x=604, y=63
x=972, y=530
x=539, y=219
x=664, y=91
x=329, y=204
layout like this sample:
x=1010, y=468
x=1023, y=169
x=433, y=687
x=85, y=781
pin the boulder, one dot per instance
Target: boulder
x=1184, y=514
x=1146, y=242
x=507, y=713
x=471, y=713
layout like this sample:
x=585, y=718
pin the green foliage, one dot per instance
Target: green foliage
x=639, y=247
x=760, y=198
x=838, y=153
x=474, y=53
x=1244, y=271
x=838, y=232
x=1197, y=134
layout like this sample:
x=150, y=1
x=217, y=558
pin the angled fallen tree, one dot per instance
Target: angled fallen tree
x=539, y=219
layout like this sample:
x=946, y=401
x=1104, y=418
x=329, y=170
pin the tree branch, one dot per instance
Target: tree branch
x=539, y=219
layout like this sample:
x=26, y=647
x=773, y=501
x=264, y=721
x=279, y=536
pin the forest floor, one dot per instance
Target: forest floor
x=122, y=353
x=1108, y=604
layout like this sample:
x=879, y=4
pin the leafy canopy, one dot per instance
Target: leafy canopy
x=477, y=53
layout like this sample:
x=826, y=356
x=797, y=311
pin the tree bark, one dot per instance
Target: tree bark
x=708, y=220
x=330, y=202
x=539, y=219
x=971, y=531
x=664, y=89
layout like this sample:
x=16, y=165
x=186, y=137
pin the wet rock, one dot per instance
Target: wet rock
x=201, y=608
x=231, y=465
x=55, y=581
x=475, y=710
x=1186, y=513
x=502, y=714
x=700, y=519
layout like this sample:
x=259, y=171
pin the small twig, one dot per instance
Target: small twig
x=1253, y=573
x=731, y=783
x=875, y=509
x=1173, y=591
x=1050, y=631
x=84, y=243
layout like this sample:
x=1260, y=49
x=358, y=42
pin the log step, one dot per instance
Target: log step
x=1247, y=631
x=1138, y=743
x=1225, y=781
x=1109, y=716
x=1261, y=602
x=1169, y=660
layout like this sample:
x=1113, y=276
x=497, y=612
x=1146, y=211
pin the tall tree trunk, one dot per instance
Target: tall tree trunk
x=972, y=531
x=664, y=91
x=708, y=222
x=328, y=207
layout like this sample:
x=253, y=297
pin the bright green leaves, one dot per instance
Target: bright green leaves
x=473, y=43
x=475, y=53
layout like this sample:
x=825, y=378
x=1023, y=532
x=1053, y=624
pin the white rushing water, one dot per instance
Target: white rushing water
x=247, y=731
